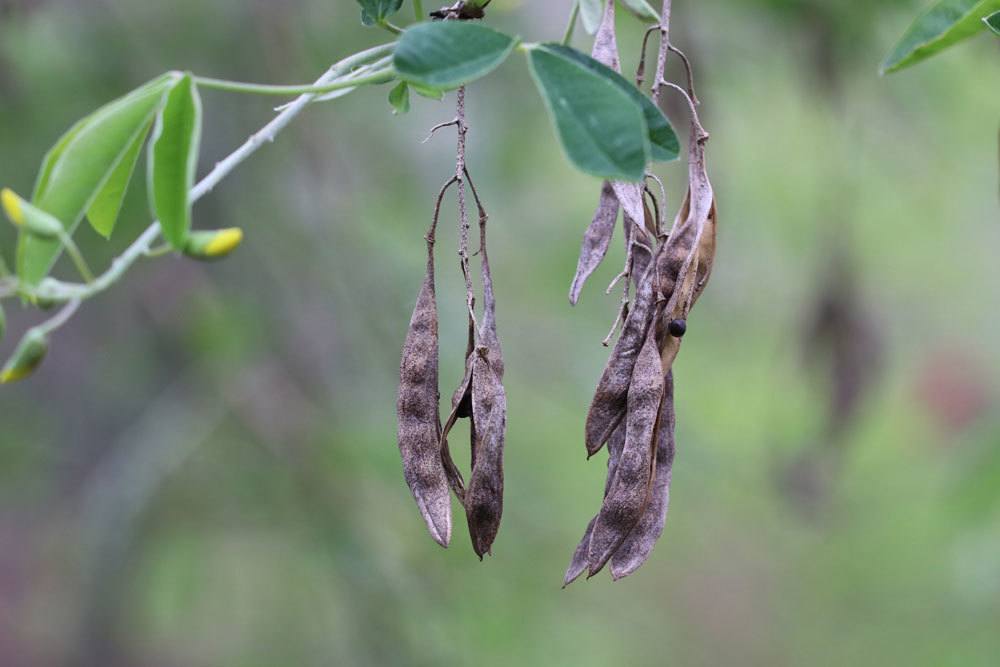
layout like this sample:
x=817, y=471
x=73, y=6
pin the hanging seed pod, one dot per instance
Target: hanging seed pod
x=637, y=547
x=578, y=564
x=596, y=240
x=692, y=243
x=417, y=411
x=488, y=328
x=581, y=556
x=630, y=489
x=484, y=495
x=605, y=49
x=607, y=408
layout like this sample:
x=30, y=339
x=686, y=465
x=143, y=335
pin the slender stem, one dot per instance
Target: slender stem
x=571, y=26
x=61, y=291
x=418, y=10
x=77, y=257
x=382, y=76
x=394, y=29
x=60, y=318
x=661, y=60
x=463, y=212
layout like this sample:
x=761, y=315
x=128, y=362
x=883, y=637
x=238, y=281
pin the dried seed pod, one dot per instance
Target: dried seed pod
x=639, y=544
x=630, y=489
x=609, y=403
x=484, y=495
x=417, y=412
x=582, y=554
x=578, y=564
x=596, y=240
x=630, y=198
x=488, y=328
x=693, y=238
x=605, y=49
x=706, y=254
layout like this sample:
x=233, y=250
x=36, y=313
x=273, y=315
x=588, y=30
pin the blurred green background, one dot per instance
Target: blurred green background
x=204, y=472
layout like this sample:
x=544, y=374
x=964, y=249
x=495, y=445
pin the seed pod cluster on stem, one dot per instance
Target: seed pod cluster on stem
x=633, y=406
x=428, y=465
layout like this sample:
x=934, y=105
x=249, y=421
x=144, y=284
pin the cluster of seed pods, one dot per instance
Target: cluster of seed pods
x=633, y=407
x=428, y=466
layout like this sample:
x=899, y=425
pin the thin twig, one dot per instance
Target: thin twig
x=439, y=126
x=690, y=72
x=463, y=212
x=571, y=25
x=661, y=60
x=640, y=70
x=62, y=291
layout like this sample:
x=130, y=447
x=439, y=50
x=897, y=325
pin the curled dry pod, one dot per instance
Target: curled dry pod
x=609, y=403
x=605, y=51
x=630, y=488
x=484, y=495
x=417, y=412
x=692, y=245
x=596, y=240
x=706, y=254
x=578, y=564
x=639, y=544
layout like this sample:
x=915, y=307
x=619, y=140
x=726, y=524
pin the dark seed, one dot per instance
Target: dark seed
x=678, y=328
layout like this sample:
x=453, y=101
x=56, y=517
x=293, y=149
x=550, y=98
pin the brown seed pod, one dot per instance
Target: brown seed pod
x=630, y=488
x=691, y=248
x=581, y=556
x=605, y=49
x=609, y=403
x=419, y=421
x=578, y=564
x=484, y=495
x=639, y=544
x=596, y=240
x=488, y=328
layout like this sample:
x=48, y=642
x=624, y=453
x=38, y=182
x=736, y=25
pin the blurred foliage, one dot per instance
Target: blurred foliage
x=205, y=471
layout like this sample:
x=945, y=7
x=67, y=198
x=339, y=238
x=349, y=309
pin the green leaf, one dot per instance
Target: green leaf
x=591, y=12
x=662, y=138
x=374, y=11
x=993, y=22
x=173, y=158
x=103, y=213
x=77, y=168
x=399, y=98
x=642, y=9
x=449, y=54
x=600, y=125
x=944, y=24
